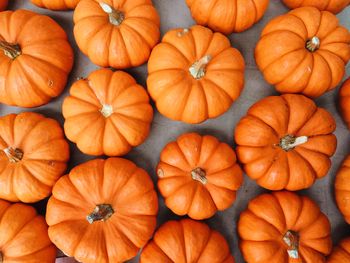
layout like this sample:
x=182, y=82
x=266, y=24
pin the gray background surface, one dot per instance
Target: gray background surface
x=174, y=14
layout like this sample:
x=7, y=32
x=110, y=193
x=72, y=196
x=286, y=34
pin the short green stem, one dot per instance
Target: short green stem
x=291, y=239
x=197, y=70
x=199, y=175
x=101, y=213
x=116, y=17
x=289, y=142
x=14, y=155
x=10, y=50
x=313, y=44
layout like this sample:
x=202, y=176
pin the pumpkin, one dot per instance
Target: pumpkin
x=340, y=253
x=285, y=142
x=198, y=175
x=284, y=227
x=186, y=241
x=107, y=113
x=3, y=5
x=118, y=34
x=342, y=189
x=33, y=155
x=227, y=16
x=344, y=101
x=334, y=6
x=24, y=236
x=304, y=51
x=56, y=4
x=102, y=211
x=194, y=74
x=35, y=58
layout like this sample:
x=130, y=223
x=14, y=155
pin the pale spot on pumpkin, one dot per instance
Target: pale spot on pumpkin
x=160, y=173
x=50, y=83
x=183, y=32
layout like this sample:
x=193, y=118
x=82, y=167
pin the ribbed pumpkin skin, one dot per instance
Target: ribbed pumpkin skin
x=344, y=101
x=334, y=6
x=41, y=71
x=180, y=96
x=3, y=5
x=45, y=156
x=286, y=63
x=185, y=195
x=270, y=216
x=342, y=189
x=56, y=4
x=24, y=236
x=227, y=16
x=124, y=46
x=268, y=122
x=116, y=182
x=186, y=241
x=340, y=253
x=113, y=135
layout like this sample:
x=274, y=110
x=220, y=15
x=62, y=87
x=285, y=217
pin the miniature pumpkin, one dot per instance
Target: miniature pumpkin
x=342, y=189
x=35, y=58
x=198, y=175
x=107, y=113
x=118, y=34
x=284, y=227
x=334, y=6
x=227, y=16
x=33, y=155
x=24, y=236
x=304, y=51
x=3, y=5
x=341, y=253
x=102, y=211
x=344, y=101
x=186, y=241
x=285, y=142
x=194, y=74
x=56, y=4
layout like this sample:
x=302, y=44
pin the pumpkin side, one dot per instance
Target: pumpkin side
x=340, y=253
x=334, y=6
x=342, y=189
x=56, y=5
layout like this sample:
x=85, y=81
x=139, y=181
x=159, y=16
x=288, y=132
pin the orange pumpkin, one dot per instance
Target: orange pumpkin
x=342, y=189
x=284, y=227
x=24, y=236
x=56, y=4
x=334, y=6
x=33, y=155
x=186, y=241
x=194, y=74
x=227, y=16
x=285, y=142
x=341, y=253
x=304, y=51
x=118, y=34
x=107, y=113
x=3, y=5
x=35, y=58
x=103, y=211
x=198, y=175
x=344, y=101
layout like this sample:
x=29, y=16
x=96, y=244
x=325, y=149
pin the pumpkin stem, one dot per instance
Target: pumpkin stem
x=100, y=213
x=313, y=44
x=199, y=174
x=183, y=32
x=291, y=238
x=197, y=70
x=10, y=50
x=289, y=142
x=116, y=17
x=14, y=155
x=106, y=110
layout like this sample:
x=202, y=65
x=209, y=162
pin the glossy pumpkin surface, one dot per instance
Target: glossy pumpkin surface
x=342, y=189
x=194, y=74
x=344, y=101
x=186, y=241
x=285, y=142
x=334, y=6
x=340, y=253
x=107, y=113
x=56, y=4
x=284, y=227
x=102, y=211
x=33, y=155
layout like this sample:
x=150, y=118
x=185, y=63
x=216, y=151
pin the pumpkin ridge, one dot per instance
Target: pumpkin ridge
x=24, y=167
x=131, y=29
x=117, y=31
x=219, y=88
x=330, y=71
x=324, y=48
x=263, y=122
x=116, y=196
x=256, y=11
x=121, y=233
x=314, y=173
x=177, y=50
x=205, y=245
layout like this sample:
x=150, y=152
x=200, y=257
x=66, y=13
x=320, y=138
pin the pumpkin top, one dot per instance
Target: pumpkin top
x=334, y=6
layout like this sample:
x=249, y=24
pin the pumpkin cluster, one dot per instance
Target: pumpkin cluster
x=105, y=210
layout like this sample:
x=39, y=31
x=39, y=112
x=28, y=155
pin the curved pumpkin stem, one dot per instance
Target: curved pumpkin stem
x=197, y=70
x=10, y=50
x=289, y=142
x=199, y=174
x=313, y=44
x=106, y=110
x=291, y=239
x=116, y=17
x=14, y=155
x=100, y=213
